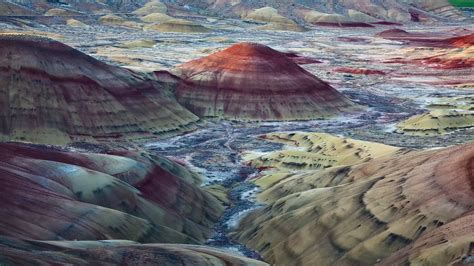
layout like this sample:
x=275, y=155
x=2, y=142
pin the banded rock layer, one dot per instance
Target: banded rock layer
x=52, y=93
x=117, y=252
x=411, y=207
x=249, y=81
x=49, y=194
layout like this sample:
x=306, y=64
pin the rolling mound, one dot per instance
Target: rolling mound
x=49, y=194
x=305, y=151
x=118, y=252
x=249, y=81
x=274, y=20
x=52, y=93
x=178, y=25
x=436, y=122
x=156, y=18
x=333, y=19
x=153, y=6
x=76, y=23
x=410, y=206
x=115, y=20
x=58, y=12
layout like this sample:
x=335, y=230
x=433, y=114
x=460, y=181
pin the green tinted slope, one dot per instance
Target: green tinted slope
x=462, y=3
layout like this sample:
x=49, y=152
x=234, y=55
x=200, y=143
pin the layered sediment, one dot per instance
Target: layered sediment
x=406, y=207
x=249, y=81
x=52, y=93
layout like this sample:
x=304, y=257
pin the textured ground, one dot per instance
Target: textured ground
x=400, y=80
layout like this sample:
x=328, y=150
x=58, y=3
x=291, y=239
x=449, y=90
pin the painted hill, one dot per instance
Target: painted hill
x=310, y=151
x=52, y=93
x=118, y=252
x=50, y=194
x=249, y=81
x=410, y=207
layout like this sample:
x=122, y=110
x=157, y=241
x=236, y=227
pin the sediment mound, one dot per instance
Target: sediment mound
x=156, y=18
x=76, y=23
x=306, y=151
x=436, y=122
x=52, y=93
x=338, y=20
x=410, y=206
x=49, y=194
x=115, y=20
x=178, y=25
x=153, y=6
x=249, y=81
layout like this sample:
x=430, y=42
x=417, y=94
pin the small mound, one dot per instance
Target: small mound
x=114, y=20
x=178, y=25
x=268, y=14
x=157, y=18
x=358, y=16
x=143, y=43
x=392, y=33
x=153, y=6
x=58, y=12
x=63, y=95
x=337, y=20
x=76, y=23
x=436, y=122
x=250, y=81
x=305, y=151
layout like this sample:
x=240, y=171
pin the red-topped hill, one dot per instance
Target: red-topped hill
x=52, y=93
x=250, y=81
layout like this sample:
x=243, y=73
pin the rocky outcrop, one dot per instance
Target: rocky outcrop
x=249, y=81
x=407, y=207
x=52, y=93
x=51, y=194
